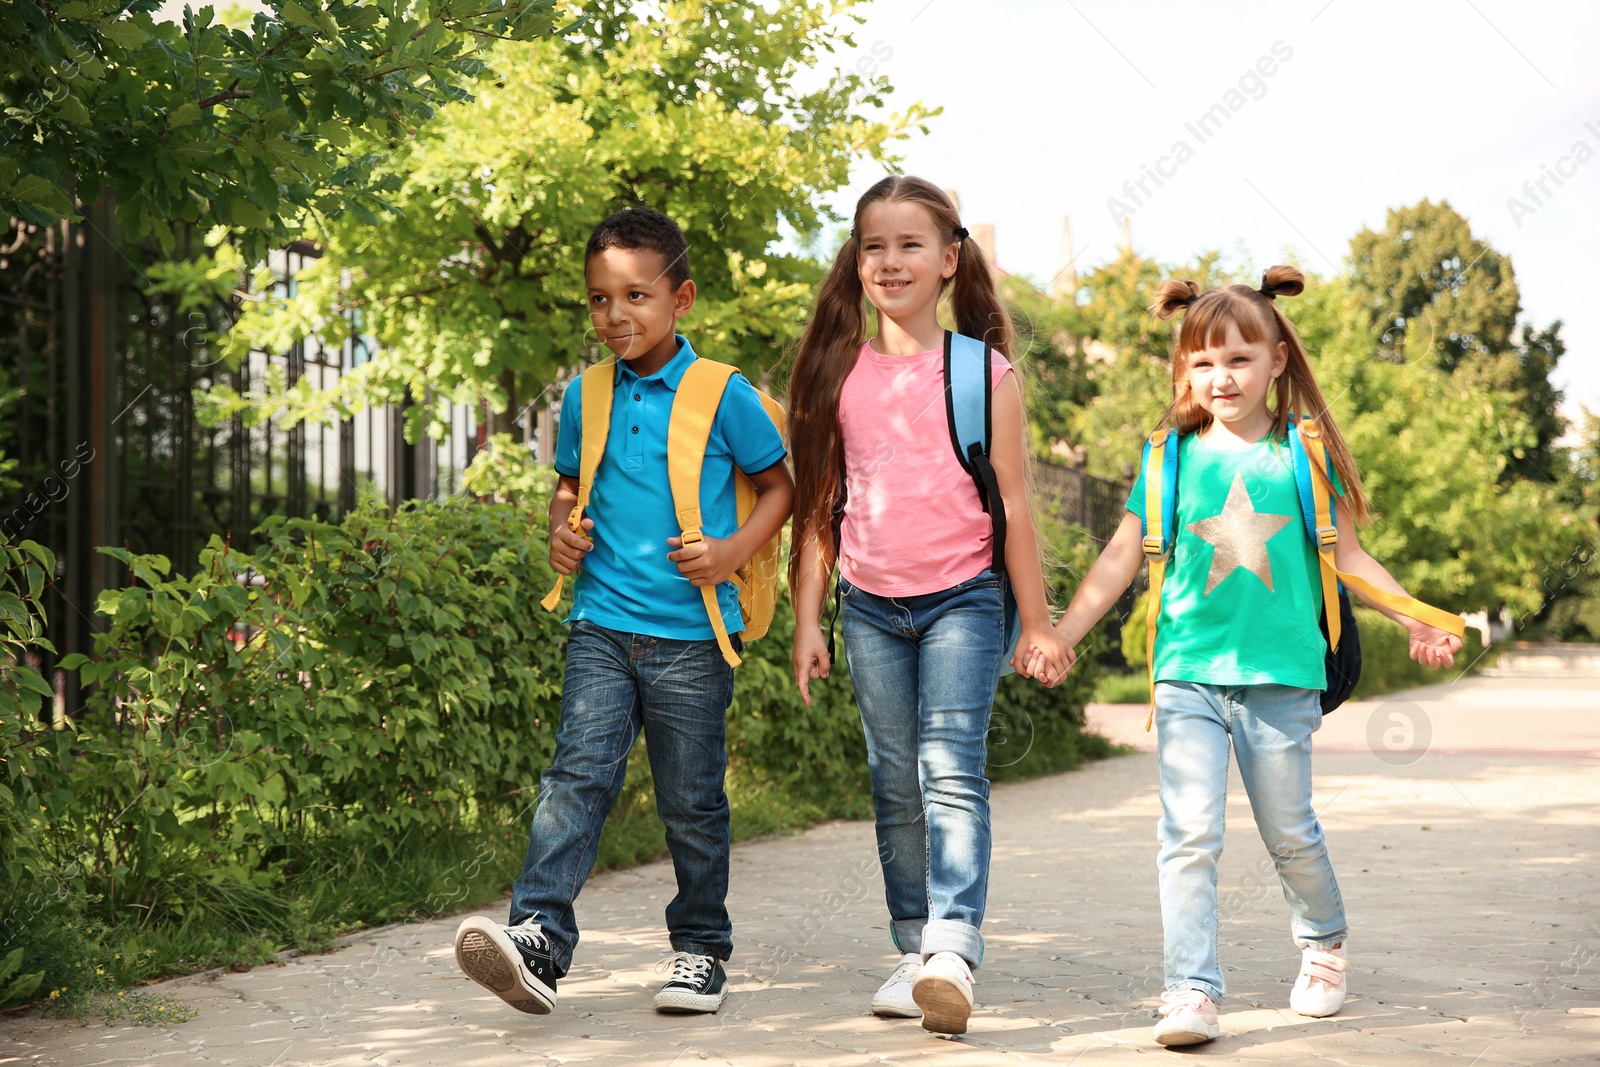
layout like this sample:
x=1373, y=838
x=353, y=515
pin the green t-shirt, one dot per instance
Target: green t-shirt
x=1241, y=602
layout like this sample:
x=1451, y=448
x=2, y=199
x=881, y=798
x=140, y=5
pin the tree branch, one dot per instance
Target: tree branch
x=224, y=96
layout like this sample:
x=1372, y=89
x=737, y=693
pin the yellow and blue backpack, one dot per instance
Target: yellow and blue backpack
x=1313, y=477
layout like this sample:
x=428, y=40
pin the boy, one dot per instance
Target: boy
x=642, y=653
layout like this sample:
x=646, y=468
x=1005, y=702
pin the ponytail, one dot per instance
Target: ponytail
x=826, y=355
x=974, y=303
x=1206, y=317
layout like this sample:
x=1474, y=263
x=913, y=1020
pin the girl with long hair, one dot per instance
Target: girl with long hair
x=880, y=492
x=1239, y=654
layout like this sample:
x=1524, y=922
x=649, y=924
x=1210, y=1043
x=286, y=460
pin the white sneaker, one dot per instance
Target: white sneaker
x=1320, y=989
x=1189, y=1018
x=943, y=990
x=893, y=998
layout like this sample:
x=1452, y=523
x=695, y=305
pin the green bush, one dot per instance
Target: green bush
x=347, y=726
x=25, y=741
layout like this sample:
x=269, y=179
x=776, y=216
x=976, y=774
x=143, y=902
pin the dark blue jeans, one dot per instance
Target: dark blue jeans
x=616, y=684
x=925, y=670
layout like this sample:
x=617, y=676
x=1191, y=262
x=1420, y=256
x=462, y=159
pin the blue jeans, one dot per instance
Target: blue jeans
x=678, y=692
x=1271, y=728
x=925, y=670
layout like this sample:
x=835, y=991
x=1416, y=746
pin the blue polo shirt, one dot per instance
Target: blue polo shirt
x=627, y=582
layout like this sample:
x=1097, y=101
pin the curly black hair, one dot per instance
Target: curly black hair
x=643, y=227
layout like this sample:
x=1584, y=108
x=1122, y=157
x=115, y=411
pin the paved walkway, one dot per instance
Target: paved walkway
x=1462, y=821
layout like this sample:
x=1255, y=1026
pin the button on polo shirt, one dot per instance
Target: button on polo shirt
x=626, y=582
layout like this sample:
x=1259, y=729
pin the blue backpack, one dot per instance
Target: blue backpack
x=1313, y=478
x=968, y=408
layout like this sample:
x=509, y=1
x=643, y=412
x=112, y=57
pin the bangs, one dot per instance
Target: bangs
x=1205, y=324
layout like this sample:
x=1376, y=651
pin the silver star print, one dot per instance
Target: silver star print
x=1238, y=537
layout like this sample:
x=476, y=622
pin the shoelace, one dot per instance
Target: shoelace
x=905, y=972
x=1320, y=966
x=529, y=935
x=1173, y=1000
x=687, y=967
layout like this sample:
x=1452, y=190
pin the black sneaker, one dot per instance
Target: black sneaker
x=512, y=962
x=697, y=983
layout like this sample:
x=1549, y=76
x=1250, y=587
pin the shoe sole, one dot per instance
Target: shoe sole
x=494, y=963
x=896, y=1011
x=1185, y=1037
x=682, y=1003
x=945, y=1009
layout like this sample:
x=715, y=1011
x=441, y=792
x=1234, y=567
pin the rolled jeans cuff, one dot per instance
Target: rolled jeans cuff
x=1323, y=943
x=907, y=934
x=1214, y=992
x=948, y=935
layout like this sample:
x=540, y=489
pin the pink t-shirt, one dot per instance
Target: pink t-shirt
x=912, y=520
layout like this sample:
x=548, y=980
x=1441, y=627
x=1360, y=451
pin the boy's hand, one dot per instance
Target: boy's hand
x=811, y=659
x=706, y=562
x=1431, y=646
x=567, y=549
x=1044, y=655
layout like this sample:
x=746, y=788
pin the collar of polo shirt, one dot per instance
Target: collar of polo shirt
x=670, y=374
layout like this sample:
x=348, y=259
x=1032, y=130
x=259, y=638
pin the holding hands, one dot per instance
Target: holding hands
x=1045, y=655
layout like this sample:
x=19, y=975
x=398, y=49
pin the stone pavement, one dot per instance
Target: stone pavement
x=1461, y=819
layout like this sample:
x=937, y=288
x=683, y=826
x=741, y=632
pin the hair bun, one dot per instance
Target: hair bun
x=1173, y=295
x=1282, y=281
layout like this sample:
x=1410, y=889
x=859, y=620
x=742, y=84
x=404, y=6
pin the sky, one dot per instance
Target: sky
x=1050, y=107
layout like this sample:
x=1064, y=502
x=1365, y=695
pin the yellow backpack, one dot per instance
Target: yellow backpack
x=694, y=409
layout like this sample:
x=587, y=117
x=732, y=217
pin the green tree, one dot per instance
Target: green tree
x=475, y=287
x=1457, y=523
x=1448, y=522
x=1051, y=357
x=250, y=125
x=1433, y=292
x=1128, y=357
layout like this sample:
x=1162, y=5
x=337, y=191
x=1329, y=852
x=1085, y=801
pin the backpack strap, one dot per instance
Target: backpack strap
x=598, y=383
x=1311, y=465
x=1159, y=468
x=694, y=410
x=969, y=412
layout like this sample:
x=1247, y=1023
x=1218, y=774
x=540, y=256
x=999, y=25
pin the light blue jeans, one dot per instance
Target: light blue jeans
x=1271, y=728
x=925, y=670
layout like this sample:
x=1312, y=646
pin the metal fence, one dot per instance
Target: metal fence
x=1096, y=506
x=97, y=383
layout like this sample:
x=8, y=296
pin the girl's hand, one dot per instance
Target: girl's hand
x=810, y=659
x=1044, y=655
x=1432, y=647
x=1039, y=668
